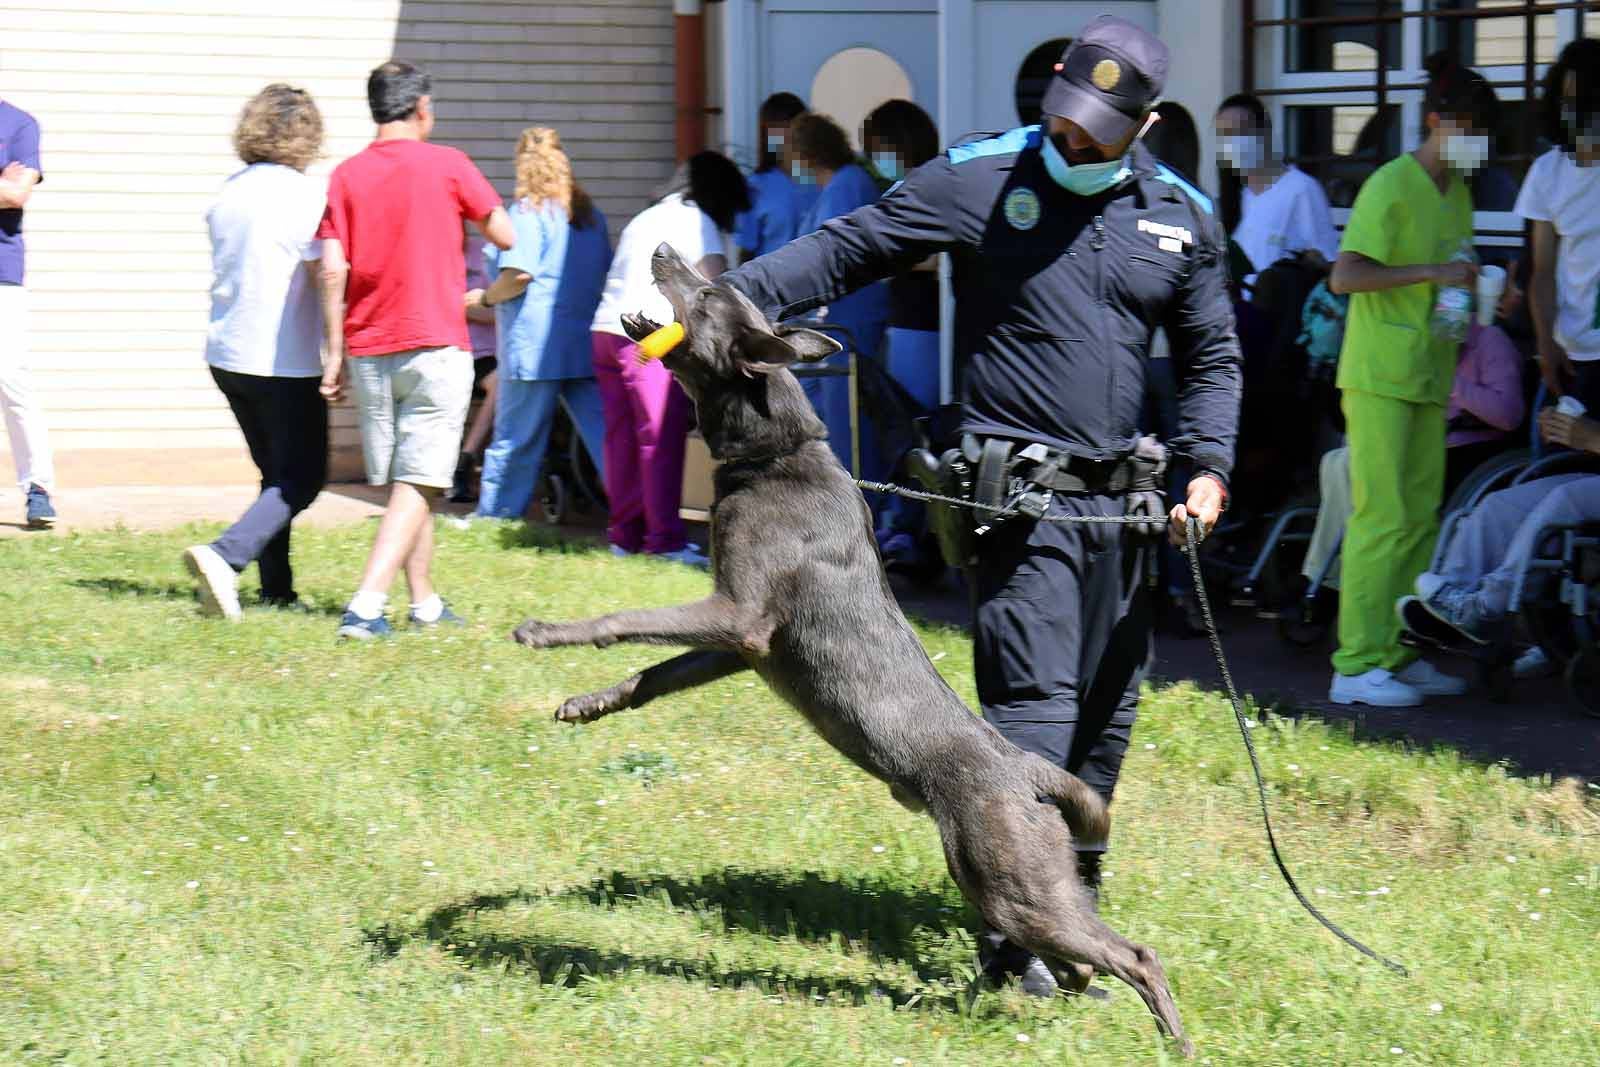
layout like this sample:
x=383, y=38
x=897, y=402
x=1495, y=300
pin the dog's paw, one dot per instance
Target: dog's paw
x=586, y=708
x=534, y=634
x=638, y=326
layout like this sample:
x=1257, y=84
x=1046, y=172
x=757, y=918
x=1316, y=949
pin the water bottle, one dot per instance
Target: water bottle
x=1452, y=307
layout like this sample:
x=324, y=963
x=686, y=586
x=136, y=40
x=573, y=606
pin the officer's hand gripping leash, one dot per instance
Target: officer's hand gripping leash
x=1192, y=539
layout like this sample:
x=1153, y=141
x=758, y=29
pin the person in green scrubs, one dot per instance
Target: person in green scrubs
x=1411, y=219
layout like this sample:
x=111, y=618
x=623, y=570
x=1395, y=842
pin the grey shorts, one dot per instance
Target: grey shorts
x=412, y=407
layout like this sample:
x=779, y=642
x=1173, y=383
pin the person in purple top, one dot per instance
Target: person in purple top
x=20, y=171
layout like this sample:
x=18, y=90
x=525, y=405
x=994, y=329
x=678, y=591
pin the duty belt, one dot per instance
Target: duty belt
x=1009, y=482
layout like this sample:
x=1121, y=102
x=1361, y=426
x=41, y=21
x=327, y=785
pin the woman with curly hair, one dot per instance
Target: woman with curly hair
x=545, y=291
x=264, y=344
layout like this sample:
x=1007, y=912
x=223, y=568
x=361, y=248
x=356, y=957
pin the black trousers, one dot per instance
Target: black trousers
x=285, y=425
x=1062, y=636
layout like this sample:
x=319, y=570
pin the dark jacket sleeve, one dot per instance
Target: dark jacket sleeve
x=915, y=219
x=1205, y=353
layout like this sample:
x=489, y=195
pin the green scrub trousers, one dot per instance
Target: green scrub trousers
x=1397, y=461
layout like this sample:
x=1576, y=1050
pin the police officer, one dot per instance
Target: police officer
x=1070, y=244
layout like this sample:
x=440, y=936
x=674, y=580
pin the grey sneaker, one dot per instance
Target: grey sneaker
x=41, y=513
x=219, y=585
x=1457, y=606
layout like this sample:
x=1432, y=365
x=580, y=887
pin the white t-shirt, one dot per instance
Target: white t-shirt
x=1291, y=216
x=265, y=315
x=1567, y=196
x=629, y=287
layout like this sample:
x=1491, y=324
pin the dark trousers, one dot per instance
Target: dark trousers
x=1062, y=636
x=285, y=424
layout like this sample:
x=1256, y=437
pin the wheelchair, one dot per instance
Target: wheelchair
x=569, y=481
x=1555, y=599
x=1307, y=622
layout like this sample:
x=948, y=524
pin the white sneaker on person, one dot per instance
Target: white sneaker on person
x=1430, y=681
x=1534, y=663
x=1377, y=688
x=219, y=585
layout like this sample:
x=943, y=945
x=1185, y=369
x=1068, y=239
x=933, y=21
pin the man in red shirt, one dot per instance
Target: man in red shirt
x=391, y=272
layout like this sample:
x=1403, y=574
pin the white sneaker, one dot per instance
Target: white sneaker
x=1430, y=681
x=1534, y=663
x=1377, y=687
x=219, y=585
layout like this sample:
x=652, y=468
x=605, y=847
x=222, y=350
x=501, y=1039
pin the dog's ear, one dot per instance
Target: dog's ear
x=809, y=345
x=761, y=352
x=638, y=326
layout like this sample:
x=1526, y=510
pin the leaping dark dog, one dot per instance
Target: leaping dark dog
x=800, y=598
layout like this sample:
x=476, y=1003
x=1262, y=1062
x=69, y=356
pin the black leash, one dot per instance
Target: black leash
x=1192, y=550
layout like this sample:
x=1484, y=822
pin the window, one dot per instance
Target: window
x=1344, y=81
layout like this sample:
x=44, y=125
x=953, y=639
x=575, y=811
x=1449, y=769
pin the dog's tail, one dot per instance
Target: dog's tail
x=1084, y=809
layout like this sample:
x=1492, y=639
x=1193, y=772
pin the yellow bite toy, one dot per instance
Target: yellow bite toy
x=661, y=342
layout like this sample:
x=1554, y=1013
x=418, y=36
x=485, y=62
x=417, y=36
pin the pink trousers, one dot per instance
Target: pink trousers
x=647, y=421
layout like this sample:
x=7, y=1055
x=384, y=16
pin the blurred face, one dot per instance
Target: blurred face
x=796, y=166
x=1463, y=146
x=1585, y=135
x=887, y=158
x=773, y=136
x=1241, y=142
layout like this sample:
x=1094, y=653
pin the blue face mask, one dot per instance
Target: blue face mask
x=1084, y=179
x=775, y=143
x=888, y=164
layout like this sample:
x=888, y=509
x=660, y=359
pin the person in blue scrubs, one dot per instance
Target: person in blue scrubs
x=899, y=137
x=818, y=153
x=777, y=203
x=546, y=289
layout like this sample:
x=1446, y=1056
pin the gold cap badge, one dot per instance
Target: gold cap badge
x=1106, y=74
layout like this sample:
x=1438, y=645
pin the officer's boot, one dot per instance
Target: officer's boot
x=999, y=959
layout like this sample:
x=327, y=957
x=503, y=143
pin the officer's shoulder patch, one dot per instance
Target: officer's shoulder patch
x=1009, y=143
x=1021, y=208
x=1166, y=174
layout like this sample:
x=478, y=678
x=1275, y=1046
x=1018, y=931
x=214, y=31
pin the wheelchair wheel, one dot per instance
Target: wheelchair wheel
x=1583, y=680
x=552, y=499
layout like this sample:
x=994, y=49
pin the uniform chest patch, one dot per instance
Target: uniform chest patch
x=1168, y=238
x=1021, y=209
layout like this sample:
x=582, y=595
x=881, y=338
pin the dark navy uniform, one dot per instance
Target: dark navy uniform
x=1056, y=299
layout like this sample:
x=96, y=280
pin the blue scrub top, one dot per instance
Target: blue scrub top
x=865, y=311
x=544, y=333
x=777, y=205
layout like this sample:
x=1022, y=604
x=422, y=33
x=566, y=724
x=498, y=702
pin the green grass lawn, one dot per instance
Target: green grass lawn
x=248, y=844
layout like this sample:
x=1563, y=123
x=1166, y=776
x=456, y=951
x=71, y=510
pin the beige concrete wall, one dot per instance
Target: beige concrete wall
x=137, y=100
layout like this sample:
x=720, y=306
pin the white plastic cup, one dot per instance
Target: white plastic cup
x=1491, y=283
x=1570, y=405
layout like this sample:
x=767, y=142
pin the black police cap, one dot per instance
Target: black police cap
x=1108, y=78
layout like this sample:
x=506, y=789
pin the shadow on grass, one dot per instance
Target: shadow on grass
x=891, y=922
x=125, y=587
x=564, y=540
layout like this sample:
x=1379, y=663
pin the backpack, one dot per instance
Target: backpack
x=1322, y=331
